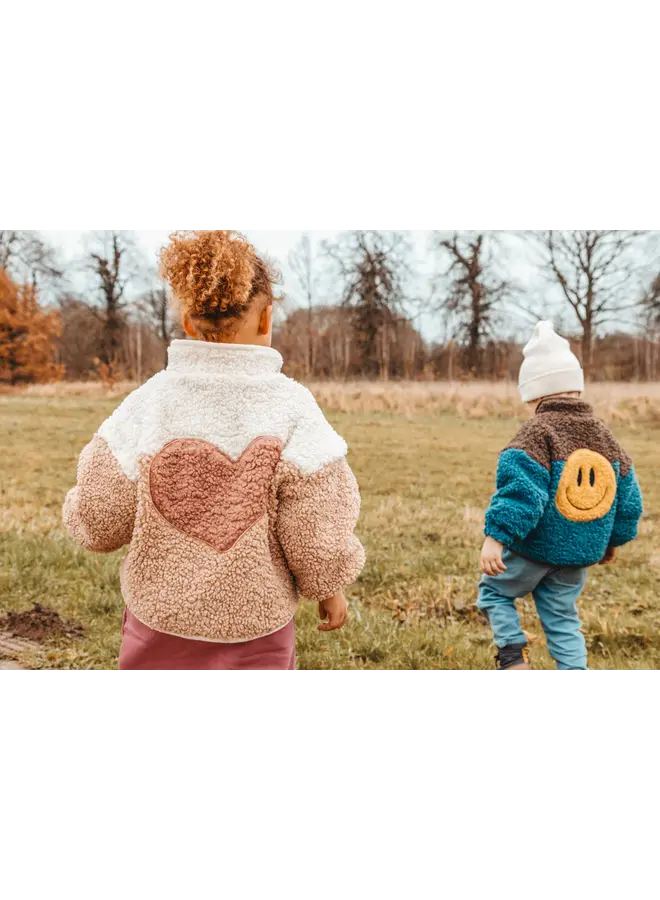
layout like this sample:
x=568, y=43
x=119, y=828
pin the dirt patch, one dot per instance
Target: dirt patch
x=9, y=664
x=10, y=645
x=39, y=624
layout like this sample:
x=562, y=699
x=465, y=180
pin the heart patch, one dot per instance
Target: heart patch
x=205, y=494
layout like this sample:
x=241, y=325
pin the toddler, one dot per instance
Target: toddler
x=567, y=496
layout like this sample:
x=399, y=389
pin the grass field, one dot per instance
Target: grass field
x=425, y=460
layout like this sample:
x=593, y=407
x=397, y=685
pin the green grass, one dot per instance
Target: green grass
x=425, y=484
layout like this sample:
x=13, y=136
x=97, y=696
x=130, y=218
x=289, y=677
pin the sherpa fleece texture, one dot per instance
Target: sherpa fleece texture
x=232, y=489
x=566, y=489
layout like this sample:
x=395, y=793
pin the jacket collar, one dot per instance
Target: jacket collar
x=236, y=360
x=572, y=405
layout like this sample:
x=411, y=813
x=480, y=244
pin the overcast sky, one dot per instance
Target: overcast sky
x=278, y=245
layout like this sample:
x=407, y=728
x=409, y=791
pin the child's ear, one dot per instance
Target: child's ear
x=266, y=320
x=188, y=326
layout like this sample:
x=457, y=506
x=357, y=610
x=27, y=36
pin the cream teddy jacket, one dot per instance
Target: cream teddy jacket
x=232, y=490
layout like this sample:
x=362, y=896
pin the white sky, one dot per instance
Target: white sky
x=277, y=244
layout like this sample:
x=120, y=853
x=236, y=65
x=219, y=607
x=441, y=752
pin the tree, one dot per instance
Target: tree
x=470, y=291
x=27, y=257
x=82, y=336
x=301, y=260
x=373, y=267
x=650, y=309
x=599, y=274
x=113, y=263
x=651, y=304
x=156, y=306
x=28, y=335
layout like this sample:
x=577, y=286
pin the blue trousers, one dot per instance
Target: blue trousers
x=555, y=591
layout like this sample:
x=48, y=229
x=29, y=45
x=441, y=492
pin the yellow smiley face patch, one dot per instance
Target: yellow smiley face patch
x=587, y=487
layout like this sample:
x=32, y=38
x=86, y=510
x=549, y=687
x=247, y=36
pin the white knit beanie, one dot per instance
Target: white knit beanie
x=549, y=366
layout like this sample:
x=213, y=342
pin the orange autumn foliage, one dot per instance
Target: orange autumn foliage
x=28, y=335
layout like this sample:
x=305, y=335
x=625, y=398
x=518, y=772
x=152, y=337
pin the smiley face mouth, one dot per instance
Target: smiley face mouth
x=583, y=502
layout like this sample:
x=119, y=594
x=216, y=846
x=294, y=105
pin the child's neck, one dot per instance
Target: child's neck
x=245, y=334
x=247, y=340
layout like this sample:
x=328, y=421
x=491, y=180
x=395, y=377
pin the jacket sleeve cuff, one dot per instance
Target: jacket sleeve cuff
x=331, y=578
x=499, y=534
x=623, y=537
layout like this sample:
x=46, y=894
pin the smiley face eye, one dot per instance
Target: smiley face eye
x=592, y=477
x=579, y=478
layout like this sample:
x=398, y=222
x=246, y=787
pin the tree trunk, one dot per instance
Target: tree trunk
x=112, y=334
x=473, y=350
x=310, y=331
x=385, y=354
x=587, y=349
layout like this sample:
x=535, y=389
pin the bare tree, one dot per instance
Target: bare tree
x=114, y=264
x=599, y=274
x=651, y=303
x=301, y=260
x=10, y=245
x=157, y=308
x=650, y=310
x=373, y=267
x=28, y=257
x=470, y=291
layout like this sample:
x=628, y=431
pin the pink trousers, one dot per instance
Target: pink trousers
x=144, y=648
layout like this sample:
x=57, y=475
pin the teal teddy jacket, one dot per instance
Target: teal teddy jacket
x=566, y=490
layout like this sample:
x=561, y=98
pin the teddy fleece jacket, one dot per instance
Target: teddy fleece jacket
x=566, y=490
x=231, y=489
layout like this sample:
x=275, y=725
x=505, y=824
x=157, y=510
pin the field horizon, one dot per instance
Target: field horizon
x=614, y=401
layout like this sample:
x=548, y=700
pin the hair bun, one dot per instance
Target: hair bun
x=211, y=272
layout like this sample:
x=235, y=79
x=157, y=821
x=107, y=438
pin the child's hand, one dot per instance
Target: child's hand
x=491, y=557
x=609, y=556
x=335, y=610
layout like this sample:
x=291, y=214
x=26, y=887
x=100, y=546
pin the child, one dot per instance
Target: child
x=567, y=496
x=224, y=477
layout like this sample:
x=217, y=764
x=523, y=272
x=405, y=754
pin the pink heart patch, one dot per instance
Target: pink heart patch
x=205, y=494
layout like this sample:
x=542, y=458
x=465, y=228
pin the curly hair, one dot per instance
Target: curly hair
x=216, y=276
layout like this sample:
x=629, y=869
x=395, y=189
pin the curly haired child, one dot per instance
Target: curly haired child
x=225, y=479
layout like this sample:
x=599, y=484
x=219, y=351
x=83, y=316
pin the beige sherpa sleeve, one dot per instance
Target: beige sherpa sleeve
x=99, y=512
x=316, y=517
x=318, y=508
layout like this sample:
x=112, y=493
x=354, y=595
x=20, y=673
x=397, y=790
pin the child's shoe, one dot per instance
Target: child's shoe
x=513, y=656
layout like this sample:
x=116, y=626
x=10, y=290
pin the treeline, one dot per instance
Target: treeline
x=353, y=309
x=601, y=287
x=403, y=354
